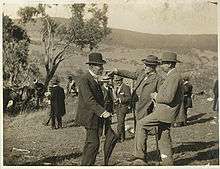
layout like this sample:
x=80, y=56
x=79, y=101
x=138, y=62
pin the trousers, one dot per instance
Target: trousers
x=165, y=143
x=121, y=111
x=91, y=147
x=56, y=121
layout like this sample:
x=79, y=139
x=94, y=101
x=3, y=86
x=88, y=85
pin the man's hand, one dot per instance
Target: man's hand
x=106, y=114
x=112, y=72
x=153, y=95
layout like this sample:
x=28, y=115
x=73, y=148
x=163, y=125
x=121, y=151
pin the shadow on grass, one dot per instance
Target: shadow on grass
x=200, y=121
x=196, y=117
x=187, y=147
x=194, y=146
x=53, y=160
x=200, y=156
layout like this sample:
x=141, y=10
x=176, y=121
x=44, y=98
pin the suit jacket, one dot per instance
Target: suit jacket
x=215, y=91
x=144, y=86
x=91, y=103
x=187, y=103
x=187, y=91
x=57, y=101
x=169, y=98
x=124, y=94
x=108, y=98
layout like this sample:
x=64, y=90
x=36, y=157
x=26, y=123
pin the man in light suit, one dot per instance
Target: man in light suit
x=91, y=112
x=168, y=102
x=147, y=83
x=122, y=101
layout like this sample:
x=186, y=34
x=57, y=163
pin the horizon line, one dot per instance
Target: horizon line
x=193, y=34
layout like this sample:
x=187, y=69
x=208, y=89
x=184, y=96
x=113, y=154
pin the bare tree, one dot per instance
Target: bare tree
x=56, y=38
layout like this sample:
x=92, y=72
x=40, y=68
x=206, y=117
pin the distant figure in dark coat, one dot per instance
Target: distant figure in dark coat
x=6, y=97
x=71, y=87
x=39, y=92
x=57, y=104
x=122, y=101
x=215, y=91
x=181, y=119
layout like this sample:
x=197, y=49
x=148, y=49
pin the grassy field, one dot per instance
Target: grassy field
x=194, y=144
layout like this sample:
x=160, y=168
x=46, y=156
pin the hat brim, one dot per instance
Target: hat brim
x=154, y=63
x=97, y=63
x=175, y=61
x=118, y=79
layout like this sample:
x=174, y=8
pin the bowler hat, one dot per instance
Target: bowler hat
x=151, y=60
x=55, y=80
x=96, y=58
x=169, y=57
x=118, y=78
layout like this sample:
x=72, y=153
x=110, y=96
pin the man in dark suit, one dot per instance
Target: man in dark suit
x=39, y=92
x=122, y=100
x=181, y=119
x=168, y=102
x=215, y=91
x=91, y=112
x=57, y=104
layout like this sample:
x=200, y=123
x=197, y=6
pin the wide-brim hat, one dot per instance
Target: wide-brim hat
x=169, y=57
x=151, y=60
x=118, y=78
x=96, y=58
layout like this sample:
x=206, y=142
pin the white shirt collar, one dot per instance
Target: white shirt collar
x=185, y=82
x=170, y=71
x=93, y=75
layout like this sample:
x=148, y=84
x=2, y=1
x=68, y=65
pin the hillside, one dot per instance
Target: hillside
x=139, y=40
x=143, y=40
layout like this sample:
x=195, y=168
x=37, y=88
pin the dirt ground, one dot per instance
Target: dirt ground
x=28, y=142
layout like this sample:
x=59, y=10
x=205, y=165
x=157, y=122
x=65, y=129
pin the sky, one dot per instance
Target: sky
x=148, y=16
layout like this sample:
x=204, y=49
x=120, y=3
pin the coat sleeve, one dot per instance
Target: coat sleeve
x=168, y=90
x=160, y=81
x=89, y=99
x=127, y=74
x=62, y=94
x=126, y=97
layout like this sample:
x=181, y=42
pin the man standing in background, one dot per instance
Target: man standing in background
x=57, y=104
x=121, y=101
x=181, y=119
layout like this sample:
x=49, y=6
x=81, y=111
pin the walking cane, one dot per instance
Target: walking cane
x=133, y=105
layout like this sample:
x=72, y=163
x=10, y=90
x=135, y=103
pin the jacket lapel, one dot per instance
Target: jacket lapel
x=139, y=82
x=149, y=79
x=95, y=85
x=120, y=88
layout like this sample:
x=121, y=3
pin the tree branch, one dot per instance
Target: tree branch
x=60, y=53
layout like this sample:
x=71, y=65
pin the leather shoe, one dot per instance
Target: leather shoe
x=139, y=162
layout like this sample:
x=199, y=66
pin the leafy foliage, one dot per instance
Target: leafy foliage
x=15, y=53
x=86, y=31
x=80, y=31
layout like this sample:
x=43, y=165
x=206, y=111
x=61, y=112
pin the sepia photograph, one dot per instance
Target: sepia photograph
x=110, y=83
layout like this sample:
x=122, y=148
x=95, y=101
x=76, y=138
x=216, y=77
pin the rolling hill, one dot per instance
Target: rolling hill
x=138, y=40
